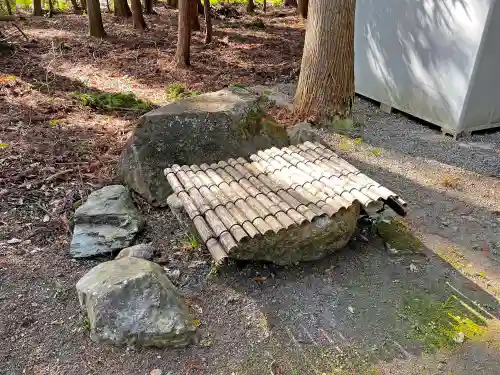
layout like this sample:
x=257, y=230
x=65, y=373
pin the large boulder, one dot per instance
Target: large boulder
x=106, y=222
x=208, y=128
x=131, y=301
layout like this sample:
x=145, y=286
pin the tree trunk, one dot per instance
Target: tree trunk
x=9, y=7
x=195, y=22
x=37, y=7
x=95, y=20
x=303, y=6
x=325, y=89
x=208, y=21
x=184, y=34
x=84, y=5
x=173, y=3
x=201, y=9
x=76, y=6
x=51, y=8
x=148, y=7
x=122, y=9
x=264, y=6
x=291, y=3
x=137, y=17
x=250, y=6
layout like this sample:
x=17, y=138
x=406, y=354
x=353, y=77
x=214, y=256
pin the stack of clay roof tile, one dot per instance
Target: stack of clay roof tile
x=236, y=200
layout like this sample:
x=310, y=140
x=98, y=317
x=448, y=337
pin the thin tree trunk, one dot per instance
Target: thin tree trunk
x=9, y=7
x=291, y=3
x=201, y=9
x=264, y=6
x=51, y=8
x=303, y=6
x=173, y=3
x=195, y=22
x=76, y=7
x=208, y=21
x=184, y=34
x=95, y=20
x=148, y=7
x=137, y=16
x=122, y=9
x=37, y=7
x=84, y=5
x=325, y=89
x=250, y=6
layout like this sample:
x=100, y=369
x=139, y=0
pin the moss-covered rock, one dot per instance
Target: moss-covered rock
x=207, y=128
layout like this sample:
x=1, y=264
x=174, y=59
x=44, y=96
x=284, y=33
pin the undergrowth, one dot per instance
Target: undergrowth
x=112, y=101
x=177, y=91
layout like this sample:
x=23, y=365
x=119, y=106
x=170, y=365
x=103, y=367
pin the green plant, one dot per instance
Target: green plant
x=176, y=91
x=190, y=241
x=112, y=101
x=238, y=85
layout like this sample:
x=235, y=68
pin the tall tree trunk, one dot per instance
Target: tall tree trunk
x=51, y=8
x=122, y=9
x=184, y=34
x=201, y=9
x=195, y=22
x=84, y=5
x=137, y=17
x=291, y=3
x=208, y=21
x=264, y=6
x=250, y=6
x=76, y=6
x=148, y=7
x=95, y=20
x=37, y=7
x=325, y=89
x=303, y=6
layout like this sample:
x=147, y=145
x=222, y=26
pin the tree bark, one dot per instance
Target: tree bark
x=137, y=16
x=51, y=8
x=9, y=7
x=84, y=5
x=250, y=6
x=208, y=21
x=195, y=22
x=184, y=34
x=291, y=3
x=122, y=9
x=264, y=6
x=201, y=9
x=95, y=20
x=37, y=7
x=325, y=90
x=302, y=7
x=76, y=6
x=148, y=7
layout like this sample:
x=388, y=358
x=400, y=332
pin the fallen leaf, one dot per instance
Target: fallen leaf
x=196, y=322
x=259, y=278
x=459, y=337
x=46, y=218
x=351, y=309
x=413, y=268
x=13, y=241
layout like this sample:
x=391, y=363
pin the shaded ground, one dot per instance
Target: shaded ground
x=361, y=311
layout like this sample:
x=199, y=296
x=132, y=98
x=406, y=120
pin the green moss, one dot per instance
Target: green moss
x=177, y=91
x=339, y=123
x=397, y=235
x=111, y=101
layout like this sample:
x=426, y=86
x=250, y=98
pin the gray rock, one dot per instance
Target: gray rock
x=131, y=301
x=106, y=222
x=143, y=251
x=302, y=132
x=203, y=129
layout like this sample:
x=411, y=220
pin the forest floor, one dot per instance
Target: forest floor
x=363, y=310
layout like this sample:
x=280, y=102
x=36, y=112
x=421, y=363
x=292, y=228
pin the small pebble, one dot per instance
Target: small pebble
x=156, y=371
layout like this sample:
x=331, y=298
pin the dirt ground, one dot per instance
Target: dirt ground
x=364, y=310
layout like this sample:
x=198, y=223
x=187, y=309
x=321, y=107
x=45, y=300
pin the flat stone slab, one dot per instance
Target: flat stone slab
x=106, y=222
x=287, y=205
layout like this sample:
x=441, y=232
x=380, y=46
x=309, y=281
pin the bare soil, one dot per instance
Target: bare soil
x=346, y=314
